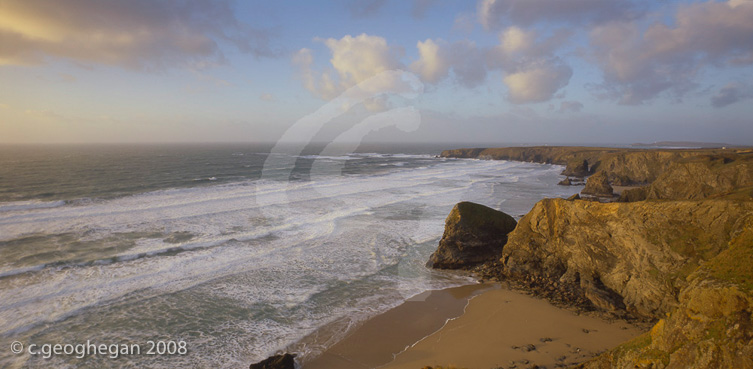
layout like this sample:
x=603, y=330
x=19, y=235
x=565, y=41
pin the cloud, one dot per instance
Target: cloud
x=354, y=60
x=570, y=107
x=137, y=34
x=494, y=13
x=538, y=82
x=420, y=7
x=464, y=22
x=640, y=64
x=532, y=72
x=437, y=58
x=267, y=97
x=730, y=94
x=365, y=8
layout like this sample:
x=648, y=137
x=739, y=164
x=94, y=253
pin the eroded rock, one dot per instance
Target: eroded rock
x=598, y=185
x=473, y=234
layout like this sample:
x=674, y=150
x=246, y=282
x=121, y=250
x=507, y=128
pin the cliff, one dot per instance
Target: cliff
x=622, y=166
x=473, y=234
x=677, y=251
x=711, y=327
x=631, y=257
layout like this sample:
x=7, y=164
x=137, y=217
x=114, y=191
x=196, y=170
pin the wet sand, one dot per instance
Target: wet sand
x=499, y=328
x=377, y=341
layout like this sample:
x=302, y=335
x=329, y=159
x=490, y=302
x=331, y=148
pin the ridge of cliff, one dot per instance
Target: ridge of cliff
x=624, y=167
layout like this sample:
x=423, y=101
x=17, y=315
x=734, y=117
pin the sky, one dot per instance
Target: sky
x=508, y=71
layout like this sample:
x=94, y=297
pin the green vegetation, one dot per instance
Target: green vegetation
x=735, y=264
x=638, y=343
x=476, y=216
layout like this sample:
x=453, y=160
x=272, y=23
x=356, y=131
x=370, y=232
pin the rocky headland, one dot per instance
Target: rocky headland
x=676, y=249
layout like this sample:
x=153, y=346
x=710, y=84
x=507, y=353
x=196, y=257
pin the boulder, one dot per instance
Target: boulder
x=565, y=182
x=286, y=361
x=598, y=185
x=473, y=234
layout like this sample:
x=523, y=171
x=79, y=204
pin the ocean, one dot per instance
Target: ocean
x=224, y=254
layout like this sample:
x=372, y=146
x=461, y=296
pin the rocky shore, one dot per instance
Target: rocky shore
x=675, y=250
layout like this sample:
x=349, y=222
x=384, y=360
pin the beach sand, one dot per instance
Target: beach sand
x=499, y=328
x=377, y=341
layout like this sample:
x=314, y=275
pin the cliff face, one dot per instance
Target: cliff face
x=678, y=250
x=711, y=328
x=702, y=177
x=622, y=256
x=598, y=184
x=473, y=234
x=623, y=166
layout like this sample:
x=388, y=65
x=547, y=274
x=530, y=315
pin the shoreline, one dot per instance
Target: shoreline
x=483, y=325
x=378, y=339
x=544, y=255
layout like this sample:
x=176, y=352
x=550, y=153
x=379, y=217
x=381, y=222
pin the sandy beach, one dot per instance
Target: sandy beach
x=498, y=328
x=375, y=343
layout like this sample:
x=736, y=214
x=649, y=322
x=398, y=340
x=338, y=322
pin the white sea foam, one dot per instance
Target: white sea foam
x=29, y=205
x=295, y=254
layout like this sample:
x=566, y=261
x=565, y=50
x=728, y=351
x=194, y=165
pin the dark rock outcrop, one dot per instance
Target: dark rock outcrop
x=473, y=234
x=634, y=194
x=286, y=361
x=565, y=182
x=576, y=168
x=598, y=185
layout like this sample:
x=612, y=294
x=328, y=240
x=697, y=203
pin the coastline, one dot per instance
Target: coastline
x=378, y=339
x=707, y=194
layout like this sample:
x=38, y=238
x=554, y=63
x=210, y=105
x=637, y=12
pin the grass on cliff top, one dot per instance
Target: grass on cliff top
x=735, y=264
x=639, y=350
x=476, y=216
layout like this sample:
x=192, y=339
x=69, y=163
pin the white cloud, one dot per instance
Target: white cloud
x=494, y=13
x=640, y=64
x=515, y=39
x=533, y=72
x=431, y=66
x=358, y=58
x=353, y=61
x=537, y=83
x=140, y=34
x=437, y=58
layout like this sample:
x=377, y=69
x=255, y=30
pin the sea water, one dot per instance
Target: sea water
x=231, y=251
